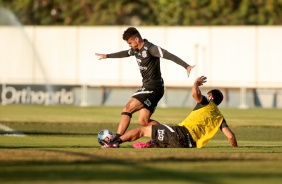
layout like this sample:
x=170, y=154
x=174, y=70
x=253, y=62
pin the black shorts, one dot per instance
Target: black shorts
x=165, y=136
x=149, y=97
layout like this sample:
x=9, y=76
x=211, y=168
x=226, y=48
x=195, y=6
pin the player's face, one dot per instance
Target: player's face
x=133, y=42
x=210, y=97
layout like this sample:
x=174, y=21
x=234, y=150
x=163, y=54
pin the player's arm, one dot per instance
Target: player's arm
x=121, y=54
x=196, y=92
x=159, y=52
x=230, y=136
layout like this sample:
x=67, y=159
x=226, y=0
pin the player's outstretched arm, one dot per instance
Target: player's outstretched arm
x=159, y=52
x=196, y=92
x=230, y=136
x=121, y=54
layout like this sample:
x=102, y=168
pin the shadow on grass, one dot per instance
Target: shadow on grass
x=106, y=168
x=119, y=172
x=130, y=146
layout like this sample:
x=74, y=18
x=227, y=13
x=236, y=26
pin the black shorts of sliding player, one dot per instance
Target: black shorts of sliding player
x=165, y=136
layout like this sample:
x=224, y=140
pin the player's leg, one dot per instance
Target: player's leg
x=131, y=135
x=150, y=101
x=143, y=99
x=144, y=118
x=142, y=131
x=134, y=134
x=132, y=106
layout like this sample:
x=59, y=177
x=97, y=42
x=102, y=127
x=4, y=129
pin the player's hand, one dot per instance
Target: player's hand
x=101, y=56
x=201, y=80
x=189, y=68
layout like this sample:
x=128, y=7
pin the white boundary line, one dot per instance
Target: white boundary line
x=10, y=131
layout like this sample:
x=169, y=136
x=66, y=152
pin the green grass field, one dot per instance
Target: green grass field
x=59, y=145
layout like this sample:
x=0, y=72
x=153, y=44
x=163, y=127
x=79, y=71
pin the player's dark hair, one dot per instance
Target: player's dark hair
x=217, y=96
x=129, y=32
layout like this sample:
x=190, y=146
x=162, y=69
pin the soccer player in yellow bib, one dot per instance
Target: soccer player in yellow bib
x=195, y=131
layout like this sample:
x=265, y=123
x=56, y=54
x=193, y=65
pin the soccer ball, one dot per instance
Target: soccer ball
x=105, y=136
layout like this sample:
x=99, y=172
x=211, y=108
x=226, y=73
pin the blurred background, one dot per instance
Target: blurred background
x=48, y=50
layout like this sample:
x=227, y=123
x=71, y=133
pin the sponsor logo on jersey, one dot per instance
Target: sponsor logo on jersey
x=142, y=67
x=148, y=102
x=144, y=53
x=161, y=134
x=138, y=61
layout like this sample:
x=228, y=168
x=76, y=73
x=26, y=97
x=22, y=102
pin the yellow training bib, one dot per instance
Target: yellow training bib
x=203, y=123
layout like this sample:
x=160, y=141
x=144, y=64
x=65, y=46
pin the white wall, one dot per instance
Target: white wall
x=243, y=56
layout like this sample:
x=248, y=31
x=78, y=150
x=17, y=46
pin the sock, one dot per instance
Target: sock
x=116, y=137
x=119, y=140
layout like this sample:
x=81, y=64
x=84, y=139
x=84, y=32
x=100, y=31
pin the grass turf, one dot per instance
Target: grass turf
x=60, y=146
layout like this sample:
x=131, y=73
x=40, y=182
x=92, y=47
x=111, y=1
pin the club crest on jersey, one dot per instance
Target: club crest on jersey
x=144, y=53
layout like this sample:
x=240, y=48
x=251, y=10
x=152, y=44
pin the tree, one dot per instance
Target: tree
x=146, y=12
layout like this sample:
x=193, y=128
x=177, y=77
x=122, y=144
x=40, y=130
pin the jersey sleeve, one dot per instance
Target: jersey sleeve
x=121, y=54
x=160, y=52
x=204, y=101
x=177, y=60
x=223, y=124
x=201, y=104
x=157, y=51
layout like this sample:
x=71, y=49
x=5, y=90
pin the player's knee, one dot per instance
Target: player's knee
x=143, y=122
x=153, y=122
